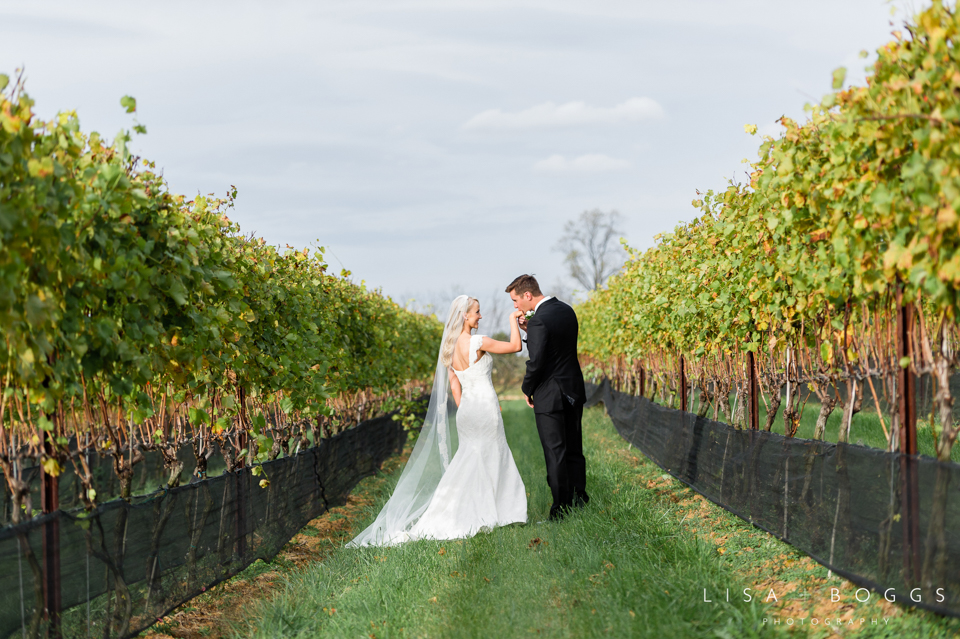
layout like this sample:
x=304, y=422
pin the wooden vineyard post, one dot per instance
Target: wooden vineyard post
x=907, y=413
x=241, y=475
x=683, y=384
x=754, y=392
x=50, y=503
x=643, y=381
x=906, y=399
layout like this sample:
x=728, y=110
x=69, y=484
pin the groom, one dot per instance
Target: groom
x=554, y=389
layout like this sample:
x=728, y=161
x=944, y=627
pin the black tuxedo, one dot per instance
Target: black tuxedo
x=554, y=383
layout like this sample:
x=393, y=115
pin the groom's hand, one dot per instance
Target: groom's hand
x=529, y=401
x=522, y=323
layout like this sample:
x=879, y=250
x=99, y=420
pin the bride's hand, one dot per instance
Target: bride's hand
x=520, y=318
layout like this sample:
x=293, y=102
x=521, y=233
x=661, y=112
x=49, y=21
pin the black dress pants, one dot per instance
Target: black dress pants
x=562, y=440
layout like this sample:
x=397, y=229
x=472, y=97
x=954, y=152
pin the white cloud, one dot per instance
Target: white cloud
x=568, y=114
x=589, y=163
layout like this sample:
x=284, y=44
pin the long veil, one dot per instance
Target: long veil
x=431, y=455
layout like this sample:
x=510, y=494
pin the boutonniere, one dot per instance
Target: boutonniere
x=529, y=314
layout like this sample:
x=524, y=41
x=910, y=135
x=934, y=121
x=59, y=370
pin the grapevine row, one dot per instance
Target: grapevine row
x=846, y=217
x=136, y=319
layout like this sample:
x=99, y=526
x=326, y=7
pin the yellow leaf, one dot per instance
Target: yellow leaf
x=10, y=123
x=906, y=260
x=950, y=272
x=750, y=128
x=51, y=467
x=40, y=168
x=946, y=217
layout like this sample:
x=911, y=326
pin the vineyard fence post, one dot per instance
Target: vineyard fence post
x=907, y=413
x=241, y=475
x=754, y=394
x=683, y=384
x=49, y=504
x=906, y=384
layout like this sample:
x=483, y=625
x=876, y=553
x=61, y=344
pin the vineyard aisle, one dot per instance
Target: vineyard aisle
x=635, y=562
x=623, y=565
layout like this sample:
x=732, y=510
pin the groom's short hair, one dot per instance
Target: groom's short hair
x=524, y=284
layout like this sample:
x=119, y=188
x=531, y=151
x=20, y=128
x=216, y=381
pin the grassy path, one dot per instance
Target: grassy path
x=624, y=566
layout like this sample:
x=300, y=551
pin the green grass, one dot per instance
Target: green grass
x=623, y=566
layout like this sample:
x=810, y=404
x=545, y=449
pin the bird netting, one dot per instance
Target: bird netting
x=885, y=521
x=125, y=564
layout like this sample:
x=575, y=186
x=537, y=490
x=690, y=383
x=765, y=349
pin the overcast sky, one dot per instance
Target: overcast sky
x=441, y=146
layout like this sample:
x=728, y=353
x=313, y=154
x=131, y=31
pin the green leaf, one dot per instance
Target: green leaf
x=4, y=81
x=44, y=424
x=839, y=75
x=129, y=103
x=826, y=351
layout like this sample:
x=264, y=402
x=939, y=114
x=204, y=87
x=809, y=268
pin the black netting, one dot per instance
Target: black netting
x=148, y=476
x=882, y=520
x=126, y=564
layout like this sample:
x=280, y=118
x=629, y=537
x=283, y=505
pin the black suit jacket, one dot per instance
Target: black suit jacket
x=553, y=371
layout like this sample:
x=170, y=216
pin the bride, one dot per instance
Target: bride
x=461, y=478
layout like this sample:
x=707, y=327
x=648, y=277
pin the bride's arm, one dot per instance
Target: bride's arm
x=454, y=386
x=513, y=346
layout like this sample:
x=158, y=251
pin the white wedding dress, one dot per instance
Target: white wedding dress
x=480, y=487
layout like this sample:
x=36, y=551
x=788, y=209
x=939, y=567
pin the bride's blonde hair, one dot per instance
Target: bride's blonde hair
x=453, y=327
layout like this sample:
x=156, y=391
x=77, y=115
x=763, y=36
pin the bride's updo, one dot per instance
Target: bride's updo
x=453, y=327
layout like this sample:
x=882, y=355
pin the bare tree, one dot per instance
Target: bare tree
x=591, y=247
